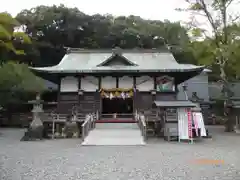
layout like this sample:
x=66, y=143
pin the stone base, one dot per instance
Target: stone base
x=33, y=134
x=70, y=130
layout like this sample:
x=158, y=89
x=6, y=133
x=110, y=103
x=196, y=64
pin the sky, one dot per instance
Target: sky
x=147, y=9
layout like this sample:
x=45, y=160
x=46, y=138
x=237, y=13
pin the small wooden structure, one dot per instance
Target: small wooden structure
x=169, y=111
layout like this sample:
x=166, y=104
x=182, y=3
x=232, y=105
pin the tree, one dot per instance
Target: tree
x=15, y=77
x=15, y=80
x=9, y=38
x=54, y=27
x=221, y=41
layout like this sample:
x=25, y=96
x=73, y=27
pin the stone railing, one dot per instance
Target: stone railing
x=140, y=118
x=89, y=124
x=59, y=125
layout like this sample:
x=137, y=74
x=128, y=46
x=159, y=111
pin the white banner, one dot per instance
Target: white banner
x=183, y=132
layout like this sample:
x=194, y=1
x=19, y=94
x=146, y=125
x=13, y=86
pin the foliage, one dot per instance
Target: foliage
x=15, y=78
x=53, y=28
x=7, y=35
x=221, y=47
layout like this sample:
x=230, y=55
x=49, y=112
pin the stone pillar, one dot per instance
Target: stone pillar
x=185, y=91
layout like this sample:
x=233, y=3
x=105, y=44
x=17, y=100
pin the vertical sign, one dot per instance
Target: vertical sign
x=189, y=123
x=195, y=122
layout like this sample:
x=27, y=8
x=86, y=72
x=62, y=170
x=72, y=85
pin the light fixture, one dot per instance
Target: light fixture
x=153, y=92
x=80, y=92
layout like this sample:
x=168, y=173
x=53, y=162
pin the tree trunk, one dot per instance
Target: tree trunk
x=229, y=124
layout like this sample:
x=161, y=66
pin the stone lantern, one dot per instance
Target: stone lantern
x=35, y=130
x=37, y=112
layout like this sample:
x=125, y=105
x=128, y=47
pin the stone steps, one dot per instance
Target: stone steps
x=114, y=134
x=116, y=126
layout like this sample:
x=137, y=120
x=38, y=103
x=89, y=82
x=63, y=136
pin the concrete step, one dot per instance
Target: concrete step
x=114, y=135
x=118, y=120
x=117, y=126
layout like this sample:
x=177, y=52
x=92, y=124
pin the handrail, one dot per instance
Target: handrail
x=140, y=118
x=89, y=124
x=86, y=126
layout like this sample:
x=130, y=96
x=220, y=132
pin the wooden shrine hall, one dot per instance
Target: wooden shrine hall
x=116, y=83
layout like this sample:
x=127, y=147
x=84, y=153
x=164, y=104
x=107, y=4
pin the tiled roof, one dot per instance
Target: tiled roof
x=145, y=60
x=175, y=104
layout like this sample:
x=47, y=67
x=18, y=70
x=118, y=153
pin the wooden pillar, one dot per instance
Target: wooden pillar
x=79, y=82
x=134, y=82
x=59, y=90
x=100, y=98
x=79, y=88
x=99, y=82
x=117, y=82
x=154, y=92
x=134, y=95
x=155, y=82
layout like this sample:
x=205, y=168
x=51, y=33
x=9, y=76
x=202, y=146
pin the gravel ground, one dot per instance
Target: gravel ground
x=159, y=160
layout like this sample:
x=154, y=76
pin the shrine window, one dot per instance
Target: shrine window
x=165, y=84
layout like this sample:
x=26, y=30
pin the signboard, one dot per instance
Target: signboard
x=165, y=84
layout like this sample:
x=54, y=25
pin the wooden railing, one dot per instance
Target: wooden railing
x=140, y=118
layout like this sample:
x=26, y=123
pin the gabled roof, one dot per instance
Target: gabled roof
x=145, y=60
x=113, y=57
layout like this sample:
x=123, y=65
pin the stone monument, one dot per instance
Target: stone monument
x=35, y=130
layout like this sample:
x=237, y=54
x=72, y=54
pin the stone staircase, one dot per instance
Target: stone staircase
x=114, y=134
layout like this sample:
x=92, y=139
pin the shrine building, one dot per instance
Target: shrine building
x=117, y=81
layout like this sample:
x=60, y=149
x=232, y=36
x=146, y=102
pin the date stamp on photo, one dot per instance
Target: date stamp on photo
x=208, y=161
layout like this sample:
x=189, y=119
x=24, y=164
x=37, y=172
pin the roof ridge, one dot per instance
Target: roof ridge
x=134, y=50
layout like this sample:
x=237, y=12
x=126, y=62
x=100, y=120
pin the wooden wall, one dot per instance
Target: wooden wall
x=90, y=101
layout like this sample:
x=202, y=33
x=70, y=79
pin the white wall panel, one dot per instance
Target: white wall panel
x=125, y=82
x=144, y=83
x=198, y=84
x=89, y=83
x=108, y=82
x=69, y=84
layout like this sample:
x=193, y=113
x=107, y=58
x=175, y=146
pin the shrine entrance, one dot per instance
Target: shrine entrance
x=117, y=104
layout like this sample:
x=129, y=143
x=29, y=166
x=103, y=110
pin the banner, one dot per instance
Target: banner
x=117, y=93
x=189, y=122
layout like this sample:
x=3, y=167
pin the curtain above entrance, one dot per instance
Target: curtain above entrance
x=117, y=93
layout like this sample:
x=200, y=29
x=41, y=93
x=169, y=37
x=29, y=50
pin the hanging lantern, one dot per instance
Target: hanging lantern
x=102, y=93
x=117, y=94
x=130, y=94
x=111, y=96
x=123, y=95
x=106, y=95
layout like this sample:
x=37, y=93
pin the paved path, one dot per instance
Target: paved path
x=115, y=134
